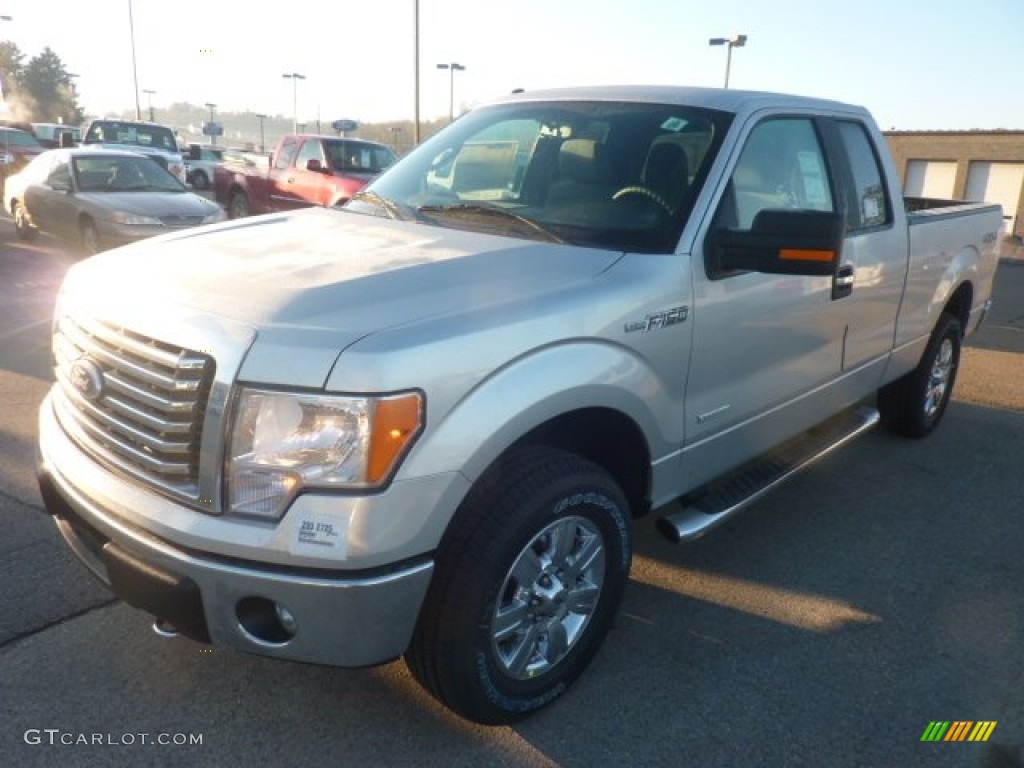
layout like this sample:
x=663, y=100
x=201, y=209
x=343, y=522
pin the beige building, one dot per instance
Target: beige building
x=964, y=165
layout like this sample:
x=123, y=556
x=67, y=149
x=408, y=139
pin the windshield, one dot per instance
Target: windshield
x=123, y=173
x=19, y=139
x=615, y=175
x=113, y=132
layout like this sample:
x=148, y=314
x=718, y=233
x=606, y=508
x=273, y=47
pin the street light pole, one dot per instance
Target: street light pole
x=135, y=69
x=452, y=69
x=213, y=136
x=295, y=77
x=261, y=117
x=416, y=72
x=736, y=41
x=149, y=99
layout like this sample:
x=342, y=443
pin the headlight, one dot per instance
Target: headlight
x=283, y=442
x=135, y=220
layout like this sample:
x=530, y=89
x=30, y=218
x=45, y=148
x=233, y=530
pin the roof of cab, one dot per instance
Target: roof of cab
x=727, y=100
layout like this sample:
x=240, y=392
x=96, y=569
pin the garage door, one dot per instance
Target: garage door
x=997, y=183
x=930, y=178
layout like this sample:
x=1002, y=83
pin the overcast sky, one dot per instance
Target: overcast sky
x=937, y=64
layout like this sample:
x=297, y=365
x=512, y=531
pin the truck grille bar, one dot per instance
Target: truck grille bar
x=134, y=403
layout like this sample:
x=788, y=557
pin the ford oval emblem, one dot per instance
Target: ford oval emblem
x=87, y=378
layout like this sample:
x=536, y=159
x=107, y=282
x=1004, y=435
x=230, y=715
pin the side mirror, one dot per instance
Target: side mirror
x=194, y=153
x=781, y=242
x=60, y=185
x=314, y=165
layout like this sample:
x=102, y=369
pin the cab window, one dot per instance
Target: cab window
x=285, y=155
x=868, y=205
x=782, y=165
x=311, y=150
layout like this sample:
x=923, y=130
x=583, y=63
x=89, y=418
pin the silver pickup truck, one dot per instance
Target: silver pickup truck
x=423, y=424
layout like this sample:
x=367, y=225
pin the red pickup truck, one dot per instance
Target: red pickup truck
x=304, y=170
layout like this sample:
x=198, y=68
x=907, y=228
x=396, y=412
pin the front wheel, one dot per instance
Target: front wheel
x=913, y=404
x=91, y=243
x=527, y=583
x=238, y=206
x=23, y=224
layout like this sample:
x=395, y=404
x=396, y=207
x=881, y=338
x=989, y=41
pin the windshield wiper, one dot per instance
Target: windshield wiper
x=393, y=210
x=490, y=210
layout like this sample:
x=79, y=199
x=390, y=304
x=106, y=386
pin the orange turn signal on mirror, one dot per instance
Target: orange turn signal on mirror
x=798, y=254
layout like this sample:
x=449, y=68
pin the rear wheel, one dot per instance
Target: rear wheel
x=23, y=224
x=913, y=405
x=526, y=585
x=238, y=206
x=91, y=243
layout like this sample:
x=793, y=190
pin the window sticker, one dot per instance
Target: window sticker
x=814, y=178
x=320, y=536
x=674, y=124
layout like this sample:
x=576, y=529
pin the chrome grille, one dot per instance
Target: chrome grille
x=134, y=403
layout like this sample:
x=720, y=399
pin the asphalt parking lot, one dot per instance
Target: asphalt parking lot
x=827, y=626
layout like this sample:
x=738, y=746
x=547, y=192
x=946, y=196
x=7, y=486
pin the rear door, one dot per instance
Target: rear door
x=281, y=179
x=311, y=187
x=875, y=252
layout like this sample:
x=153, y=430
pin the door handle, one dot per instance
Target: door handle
x=842, y=286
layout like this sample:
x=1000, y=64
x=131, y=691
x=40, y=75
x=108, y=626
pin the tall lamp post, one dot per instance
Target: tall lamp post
x=213, y=136
x=135, y=69
x=736, y=41
x=452, y=69
x=295, y=77
x=262, y=118
x=149, y=103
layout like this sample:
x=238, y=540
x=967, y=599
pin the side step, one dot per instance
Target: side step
x=744, y=485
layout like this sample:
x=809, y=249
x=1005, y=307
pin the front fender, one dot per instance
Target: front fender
x=535, y=388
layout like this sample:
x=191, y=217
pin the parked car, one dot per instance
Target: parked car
x=423, y=424
x=102, y=198
x=17, y=149
x=153, y=140
x=51, y=135
x=200, y=163
x=304, y=170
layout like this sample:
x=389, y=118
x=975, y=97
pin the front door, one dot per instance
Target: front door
x=765, y=346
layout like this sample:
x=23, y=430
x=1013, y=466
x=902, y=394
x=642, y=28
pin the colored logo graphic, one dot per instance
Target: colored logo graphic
x=958, y=730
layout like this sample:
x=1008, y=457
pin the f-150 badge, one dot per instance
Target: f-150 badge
x=660, y=320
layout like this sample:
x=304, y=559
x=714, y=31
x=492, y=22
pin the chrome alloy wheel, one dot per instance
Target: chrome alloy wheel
x=548, y=597
x=939, y=377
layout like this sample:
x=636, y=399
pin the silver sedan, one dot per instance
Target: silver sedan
x=102, y=198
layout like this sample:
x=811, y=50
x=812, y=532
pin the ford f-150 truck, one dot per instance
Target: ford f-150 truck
x=423, y=423
x=304, y=170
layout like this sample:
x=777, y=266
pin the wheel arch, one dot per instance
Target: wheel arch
x=959, y=304
x=605, y=437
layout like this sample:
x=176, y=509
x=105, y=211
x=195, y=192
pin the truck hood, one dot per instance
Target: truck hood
x=326, y=278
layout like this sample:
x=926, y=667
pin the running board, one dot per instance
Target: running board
x=735, y=490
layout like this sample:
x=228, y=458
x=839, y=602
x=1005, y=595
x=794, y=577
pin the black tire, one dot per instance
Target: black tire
x=543, y=533
x=23, y=223
x=91, y=243
x=913, y=404
x=238, y=206
x=200, y=181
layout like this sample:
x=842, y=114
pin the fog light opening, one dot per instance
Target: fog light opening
x=266, y=621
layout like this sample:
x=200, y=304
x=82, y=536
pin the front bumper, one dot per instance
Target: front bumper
x=335, y=618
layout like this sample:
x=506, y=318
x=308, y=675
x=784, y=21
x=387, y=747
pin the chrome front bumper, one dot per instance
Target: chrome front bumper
x=330, y=617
